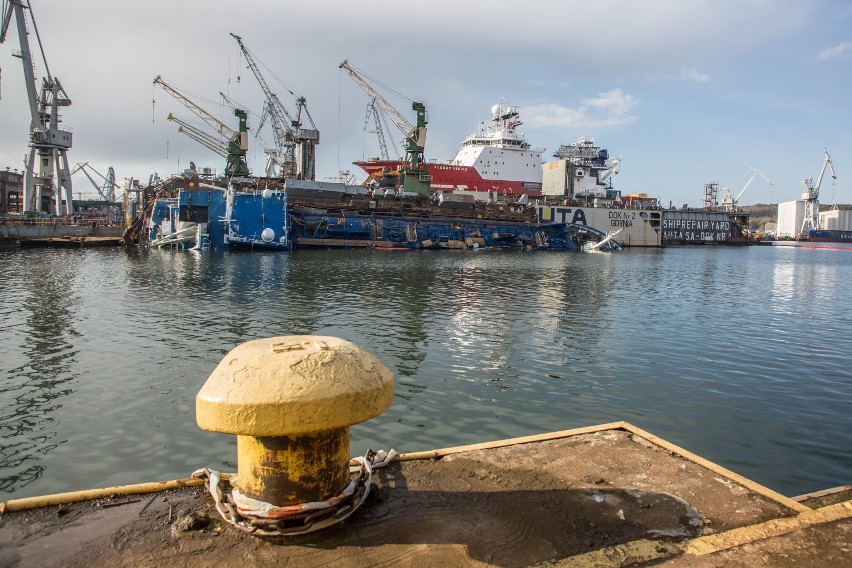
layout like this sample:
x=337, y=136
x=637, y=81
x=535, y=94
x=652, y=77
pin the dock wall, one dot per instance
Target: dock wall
x=639, y=227
x=52, y=228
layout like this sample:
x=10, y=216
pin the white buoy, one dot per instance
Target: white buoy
x=267, y=235
x=267, y=193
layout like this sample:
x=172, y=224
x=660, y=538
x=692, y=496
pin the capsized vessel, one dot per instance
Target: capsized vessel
x=270, y=214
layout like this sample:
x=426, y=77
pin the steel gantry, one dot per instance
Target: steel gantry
x=413, y=172
x=47, y=169
x=231, y=144
x=811, y=193
x=105, y=190
x=296, y=146
x=378, y=119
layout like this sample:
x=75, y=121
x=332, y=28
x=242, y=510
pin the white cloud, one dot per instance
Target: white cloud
x=695, y=75
x=840, y=51
x=458, y=74
x=612, y=108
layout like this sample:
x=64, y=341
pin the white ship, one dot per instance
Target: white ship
x=498, y=163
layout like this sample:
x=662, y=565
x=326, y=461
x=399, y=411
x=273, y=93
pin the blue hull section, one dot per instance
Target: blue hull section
x=263, y=220
x=192, y=220
x=258, y=220
x=829, y=236
x=324, y=230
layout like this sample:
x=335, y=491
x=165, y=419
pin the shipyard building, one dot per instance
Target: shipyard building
x=791, y=215
x=836, y=220
x=11, y=191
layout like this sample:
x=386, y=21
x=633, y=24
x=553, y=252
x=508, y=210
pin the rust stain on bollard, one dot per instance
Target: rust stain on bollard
x=290, y=470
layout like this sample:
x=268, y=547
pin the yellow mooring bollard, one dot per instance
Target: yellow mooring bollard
x=290, y=401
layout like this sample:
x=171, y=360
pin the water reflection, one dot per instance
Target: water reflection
x=486, y=345
x=406, y=285
x=33, y=389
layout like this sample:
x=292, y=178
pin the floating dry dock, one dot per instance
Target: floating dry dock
x=611, y=495
x=72, y=242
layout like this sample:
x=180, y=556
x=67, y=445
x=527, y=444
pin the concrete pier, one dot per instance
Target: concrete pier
x=610, y=495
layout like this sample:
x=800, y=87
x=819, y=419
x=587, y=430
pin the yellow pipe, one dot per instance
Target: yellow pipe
x=435, y=454
x=27, y=503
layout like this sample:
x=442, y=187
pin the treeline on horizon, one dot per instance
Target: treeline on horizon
x=762, y=213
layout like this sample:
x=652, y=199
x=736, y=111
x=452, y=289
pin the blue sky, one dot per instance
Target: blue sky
x=686, y=92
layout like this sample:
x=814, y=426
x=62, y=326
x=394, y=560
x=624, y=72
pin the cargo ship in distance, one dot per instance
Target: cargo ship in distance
x=498, y=163
x=829, y=236
x=497, y=159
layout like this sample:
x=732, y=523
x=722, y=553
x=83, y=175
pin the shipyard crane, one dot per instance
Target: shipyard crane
x=729, y=202
x=275, y=166
x=207, y=140
x=811, y=194
x=296, y=145
x=105, y=190
x=48, y=142
x=413, y=172
x=237, y=141
x=373, y=112
x=271, y=166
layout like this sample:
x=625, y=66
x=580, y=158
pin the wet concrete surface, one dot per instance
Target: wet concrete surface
x=554, y=502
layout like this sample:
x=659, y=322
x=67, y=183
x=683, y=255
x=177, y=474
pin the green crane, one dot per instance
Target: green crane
x=237, y=141
x=414, y=177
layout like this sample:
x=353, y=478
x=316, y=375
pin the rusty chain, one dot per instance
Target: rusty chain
x=265, y=519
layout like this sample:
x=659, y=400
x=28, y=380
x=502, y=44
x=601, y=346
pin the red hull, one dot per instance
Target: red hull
x=446, y=177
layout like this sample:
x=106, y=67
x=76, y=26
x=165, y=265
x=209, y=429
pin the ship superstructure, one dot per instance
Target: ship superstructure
x=496, y=159
x=582, y=170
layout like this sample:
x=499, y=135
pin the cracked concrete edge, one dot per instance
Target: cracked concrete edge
x=627, y=427
x=823, y=493
x=716, y=468
x=774, y=527
x=28, y=503
x=642, y=551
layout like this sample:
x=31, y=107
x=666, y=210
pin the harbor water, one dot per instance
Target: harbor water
x=740, y=355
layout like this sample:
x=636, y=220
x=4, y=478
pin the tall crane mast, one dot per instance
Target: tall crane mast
x=48, y=143
x=275, y=166
x=729, y=203
x=107, y=190
x=811, y=194
x=373, y=112
x=413, y=173
x=237, y=140
x=296, y=145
